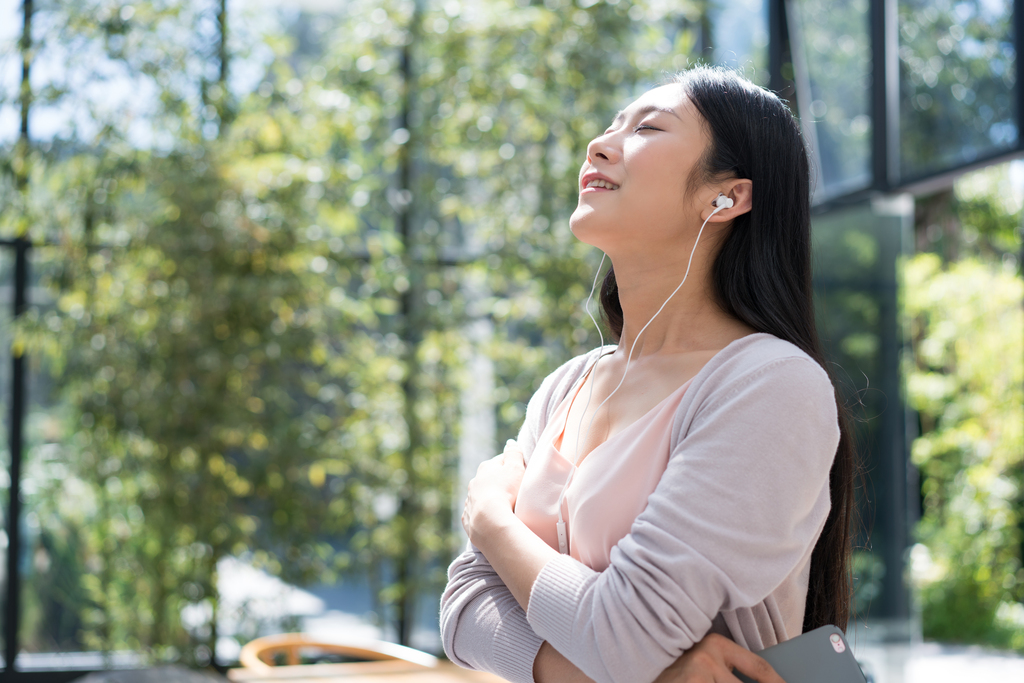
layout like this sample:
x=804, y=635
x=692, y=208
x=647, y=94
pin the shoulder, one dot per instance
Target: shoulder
x=761, y=357
x=762, y=395
x=763, y=374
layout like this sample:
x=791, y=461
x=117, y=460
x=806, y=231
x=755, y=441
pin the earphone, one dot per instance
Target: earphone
x=721, y=202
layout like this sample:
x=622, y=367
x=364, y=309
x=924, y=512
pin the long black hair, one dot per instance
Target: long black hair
x=762, y=276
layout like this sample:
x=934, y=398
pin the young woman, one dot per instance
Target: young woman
x=683, y=497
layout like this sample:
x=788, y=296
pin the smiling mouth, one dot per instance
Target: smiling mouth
x=602, y=184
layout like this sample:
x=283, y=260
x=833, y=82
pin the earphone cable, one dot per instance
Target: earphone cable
x=560, y=525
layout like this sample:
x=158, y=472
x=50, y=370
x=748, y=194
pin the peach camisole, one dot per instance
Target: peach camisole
x=610, y=487
x=723, y=543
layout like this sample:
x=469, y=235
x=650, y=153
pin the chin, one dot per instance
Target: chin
x=576, y=227
x=587, y=226
x=582, y=218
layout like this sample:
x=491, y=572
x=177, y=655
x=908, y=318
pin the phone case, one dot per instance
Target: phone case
x=818, y=656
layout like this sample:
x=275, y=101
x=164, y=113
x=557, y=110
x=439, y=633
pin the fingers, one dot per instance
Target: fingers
x=719, y=659
x=751, y=665
x=514, y=454
x=512, y=448
x=496, y=461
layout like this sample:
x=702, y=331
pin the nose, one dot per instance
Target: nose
x=603, y=147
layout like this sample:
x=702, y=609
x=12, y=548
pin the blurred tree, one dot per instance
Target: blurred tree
x=187, y=327
x=261, y=296
x=965, y=380
x=490, y=108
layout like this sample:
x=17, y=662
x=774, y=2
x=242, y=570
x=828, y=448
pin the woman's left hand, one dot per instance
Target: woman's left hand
x=713, y=659
x=493, y=492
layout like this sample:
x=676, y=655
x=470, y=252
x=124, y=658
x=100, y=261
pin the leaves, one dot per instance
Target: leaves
x=965, y=381
x=267, y=290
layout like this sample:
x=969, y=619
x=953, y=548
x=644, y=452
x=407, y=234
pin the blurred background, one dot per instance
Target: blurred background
x=276, y=276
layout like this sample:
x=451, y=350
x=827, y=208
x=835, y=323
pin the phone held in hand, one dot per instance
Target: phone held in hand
x=818, y=656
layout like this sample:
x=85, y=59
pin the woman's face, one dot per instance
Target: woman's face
x=632, y=185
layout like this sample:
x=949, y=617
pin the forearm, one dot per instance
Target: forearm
x=518, y=556
x=514, y=552
x=551, y=667
x=482, y=625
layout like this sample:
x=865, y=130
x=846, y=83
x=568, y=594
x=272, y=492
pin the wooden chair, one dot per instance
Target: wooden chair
x=258, y=658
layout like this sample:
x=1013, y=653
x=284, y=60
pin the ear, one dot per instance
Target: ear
x=740, y=191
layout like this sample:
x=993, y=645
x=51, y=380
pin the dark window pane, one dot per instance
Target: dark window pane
x=855, y=256
x=52, y=604
x=832, y=68
x=957, y=75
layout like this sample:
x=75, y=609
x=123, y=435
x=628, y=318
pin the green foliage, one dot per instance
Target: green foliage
x=957, y=67
x=965, y=381
x=257, y=326
x=988, y=209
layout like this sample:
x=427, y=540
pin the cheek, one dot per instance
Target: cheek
x=651, y=160
x=661, y=180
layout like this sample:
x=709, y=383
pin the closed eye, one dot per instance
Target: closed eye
x=637, y=129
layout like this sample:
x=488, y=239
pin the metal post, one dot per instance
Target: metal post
x=1018, y=44
x=412, y=335
x=892, y=533
x=19, y=395
x=19, y=398
x=885, y=103
x=778, y=46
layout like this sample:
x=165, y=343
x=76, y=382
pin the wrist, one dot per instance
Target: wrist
x=492, y=526
x=550, y=665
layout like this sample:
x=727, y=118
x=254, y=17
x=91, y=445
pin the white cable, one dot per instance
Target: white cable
x=590, y=393
x=563, y=543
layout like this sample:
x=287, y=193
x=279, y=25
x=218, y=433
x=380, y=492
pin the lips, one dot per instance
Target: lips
x=596, y=182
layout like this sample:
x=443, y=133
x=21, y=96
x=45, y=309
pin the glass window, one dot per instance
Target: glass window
x=855, y=254
x=957, y=71
x=831, y=49
x=52, y=600
x=739, y=34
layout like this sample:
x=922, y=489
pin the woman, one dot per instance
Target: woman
x=697, y=474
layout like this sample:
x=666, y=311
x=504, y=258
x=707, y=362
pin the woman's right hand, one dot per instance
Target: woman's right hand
x=712, y=661
x=493, y=492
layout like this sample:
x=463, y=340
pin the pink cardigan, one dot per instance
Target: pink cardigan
x=723, y=545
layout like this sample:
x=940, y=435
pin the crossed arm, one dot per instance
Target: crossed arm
x=518, y=556
x=649, y=612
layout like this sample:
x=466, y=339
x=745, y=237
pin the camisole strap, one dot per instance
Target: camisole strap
x=557, y=441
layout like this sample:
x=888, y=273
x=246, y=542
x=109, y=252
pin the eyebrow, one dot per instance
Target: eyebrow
x=644, y=111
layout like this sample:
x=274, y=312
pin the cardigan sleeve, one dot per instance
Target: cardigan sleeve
x=482, y=625
x=745, y=494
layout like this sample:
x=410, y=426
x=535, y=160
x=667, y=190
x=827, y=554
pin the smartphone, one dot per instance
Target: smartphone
x=818, y=656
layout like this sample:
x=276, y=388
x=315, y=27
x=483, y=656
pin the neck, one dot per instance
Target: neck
x=689, y=320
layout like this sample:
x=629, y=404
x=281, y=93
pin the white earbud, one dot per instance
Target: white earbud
x=723, y=202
